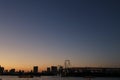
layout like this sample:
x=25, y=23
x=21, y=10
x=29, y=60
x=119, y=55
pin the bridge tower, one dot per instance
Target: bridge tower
x=67, y=64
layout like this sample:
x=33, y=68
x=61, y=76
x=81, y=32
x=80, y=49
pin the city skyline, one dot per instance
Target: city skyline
x=47, y=32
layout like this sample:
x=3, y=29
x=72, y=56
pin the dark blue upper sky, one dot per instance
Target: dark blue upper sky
x=85, y=31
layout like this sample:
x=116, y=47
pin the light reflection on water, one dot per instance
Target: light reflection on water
x=53, y=78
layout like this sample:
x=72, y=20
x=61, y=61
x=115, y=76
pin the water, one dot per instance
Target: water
x=53, y=78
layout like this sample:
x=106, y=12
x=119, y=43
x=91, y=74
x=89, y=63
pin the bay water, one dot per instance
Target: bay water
x=56, y=78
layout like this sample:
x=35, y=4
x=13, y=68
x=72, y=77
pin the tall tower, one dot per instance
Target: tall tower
x=35, y=69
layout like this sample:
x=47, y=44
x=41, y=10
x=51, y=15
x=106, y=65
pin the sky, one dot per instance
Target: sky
x=48, y=32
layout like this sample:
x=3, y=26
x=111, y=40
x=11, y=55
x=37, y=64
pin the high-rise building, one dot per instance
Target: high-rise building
x=48, y=69
x=54, y=69
x=35, y=69
x=1, y=70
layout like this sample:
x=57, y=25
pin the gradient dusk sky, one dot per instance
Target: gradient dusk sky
x=47, y=32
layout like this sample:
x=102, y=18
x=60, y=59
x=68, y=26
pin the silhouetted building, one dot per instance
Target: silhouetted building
x=21, y=72
x=54, y=70
x=12, y=71
x=6, y=71
x=1, y=70
x=60, y=70
x=35, y=69
x=48, y=69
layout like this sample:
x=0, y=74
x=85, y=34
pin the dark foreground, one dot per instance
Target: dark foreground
x=71, y=72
